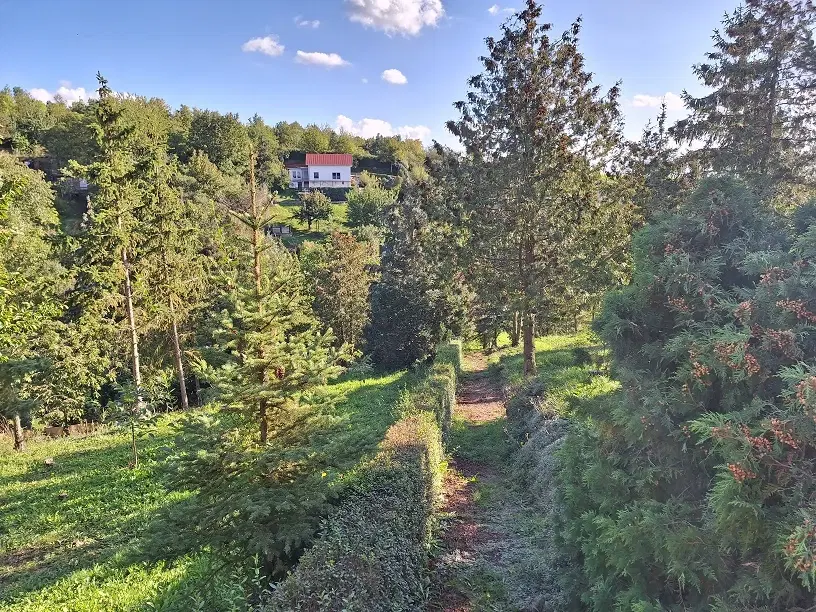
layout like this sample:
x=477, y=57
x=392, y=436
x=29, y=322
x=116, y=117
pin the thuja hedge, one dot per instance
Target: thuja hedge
x=372, y=553
x=695, y=487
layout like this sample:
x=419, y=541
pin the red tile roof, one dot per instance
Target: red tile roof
x=329, y=159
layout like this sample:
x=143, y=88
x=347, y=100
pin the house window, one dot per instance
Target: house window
x=336, y=176
x=317, y=175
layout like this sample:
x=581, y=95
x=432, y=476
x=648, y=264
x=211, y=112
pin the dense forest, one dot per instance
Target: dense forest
x=156, y=289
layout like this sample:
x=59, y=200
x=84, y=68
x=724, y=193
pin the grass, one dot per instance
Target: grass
x=284, y=213
x=73, y=536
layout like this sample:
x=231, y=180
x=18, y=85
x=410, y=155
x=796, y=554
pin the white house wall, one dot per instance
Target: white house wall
x=326, y=180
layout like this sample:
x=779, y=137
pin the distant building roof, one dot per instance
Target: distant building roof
x=294, y=164
x=329, y=159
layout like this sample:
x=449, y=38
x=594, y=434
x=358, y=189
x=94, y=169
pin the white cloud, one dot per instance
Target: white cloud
x=368, y=128
x=66, y=93
x=393, y=76
x=496, y=9
x=672, y=100
x=329, y=60
x=406, y=17
x=305, y=23
x=418, y=132
x=365, y=80
x=268, y=45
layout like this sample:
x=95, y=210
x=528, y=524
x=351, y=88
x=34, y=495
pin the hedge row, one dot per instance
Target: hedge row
x=372, y=554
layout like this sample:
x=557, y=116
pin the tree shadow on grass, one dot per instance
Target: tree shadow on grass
x=80, y=512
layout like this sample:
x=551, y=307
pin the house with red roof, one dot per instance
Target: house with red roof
x=320, y=170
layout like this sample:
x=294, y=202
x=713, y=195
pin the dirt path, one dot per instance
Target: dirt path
x=471, y=541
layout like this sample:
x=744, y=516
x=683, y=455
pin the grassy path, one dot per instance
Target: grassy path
x=468, y=572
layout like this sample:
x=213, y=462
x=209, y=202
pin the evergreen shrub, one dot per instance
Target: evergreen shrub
x=695, y=487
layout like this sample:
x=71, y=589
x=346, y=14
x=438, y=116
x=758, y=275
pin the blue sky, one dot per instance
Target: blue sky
x=243, y=55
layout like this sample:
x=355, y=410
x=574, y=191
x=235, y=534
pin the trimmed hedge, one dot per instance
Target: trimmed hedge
x=372, y=554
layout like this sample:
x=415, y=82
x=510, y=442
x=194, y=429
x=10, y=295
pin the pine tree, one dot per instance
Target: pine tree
x=539, y=132
x=758, y=121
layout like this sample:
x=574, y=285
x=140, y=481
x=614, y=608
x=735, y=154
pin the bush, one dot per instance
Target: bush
x=694, y=488
x=372, y=553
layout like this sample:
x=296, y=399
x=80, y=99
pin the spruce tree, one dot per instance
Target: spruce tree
x=31, y=282
x=758, y=121
x=254, y=458
x=538, y=131
x=103, y=294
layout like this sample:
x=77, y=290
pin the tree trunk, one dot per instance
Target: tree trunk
x=185, y=402
x=19, y=440
x=529, y=344
x=256, y=271
x=529, y=316
x=133, y=443
x=134, y=336
x=197, y=388
x=515, y=329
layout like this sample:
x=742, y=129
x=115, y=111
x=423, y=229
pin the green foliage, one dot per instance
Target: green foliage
x=372, y=554
x=763, y=61
x=341, y=277
x=367, y=204
x=222, y=137
x=31, y=281
x=314, y=206
x=562, y=133
x=420, y=295
x=314, y=140
x=691, y=488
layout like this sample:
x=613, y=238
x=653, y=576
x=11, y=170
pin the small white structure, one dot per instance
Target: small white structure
x=321, y=170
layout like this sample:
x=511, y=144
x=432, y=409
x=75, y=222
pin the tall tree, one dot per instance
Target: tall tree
x=760, y=119
x=539, y=134
x=104, y=289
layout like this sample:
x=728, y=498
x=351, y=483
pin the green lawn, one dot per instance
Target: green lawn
x=284, y=213
x=74, y=536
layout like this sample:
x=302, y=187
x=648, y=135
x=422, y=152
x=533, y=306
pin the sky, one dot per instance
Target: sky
x=367, y=66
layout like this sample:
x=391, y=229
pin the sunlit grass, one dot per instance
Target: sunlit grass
x=72, y=534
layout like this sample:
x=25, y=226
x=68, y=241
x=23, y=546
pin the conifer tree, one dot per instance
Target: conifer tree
x=254, y=459
x=538, y=131
x=174, y=267
x=758, y=121
x=104, y=294
x=341, y=275
x=276, y=347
